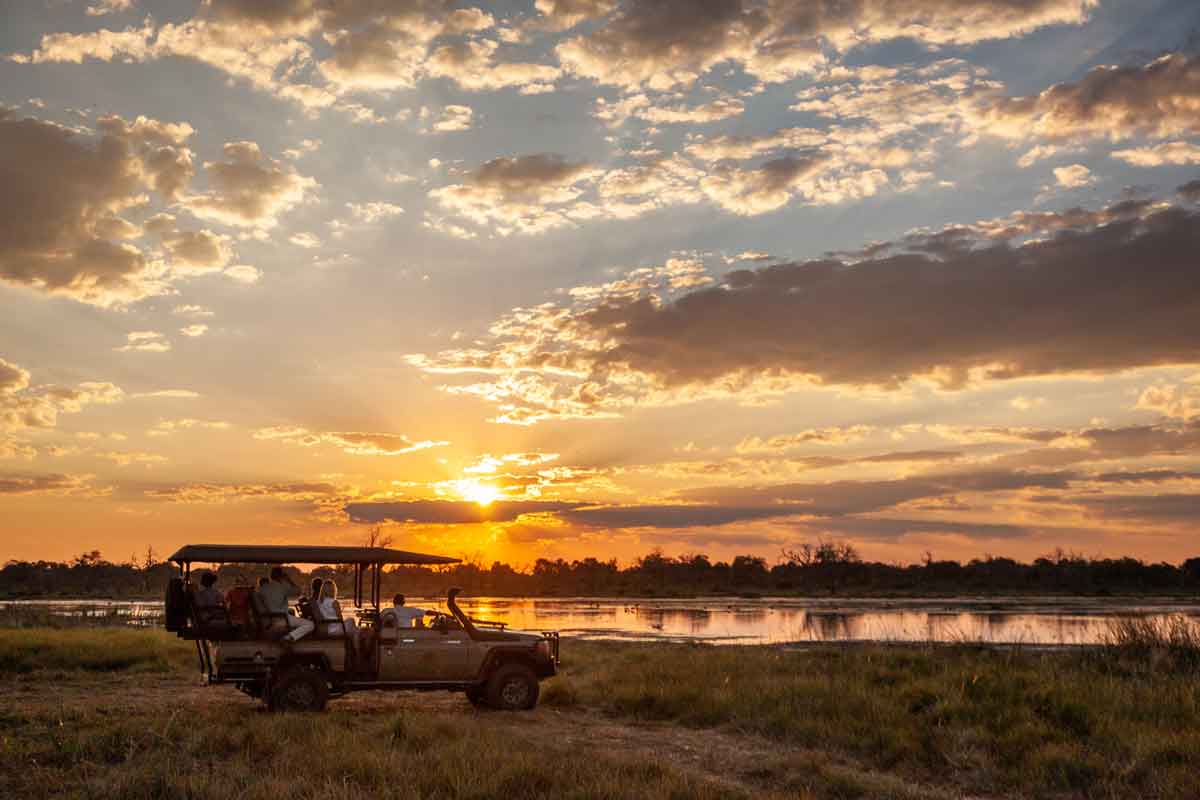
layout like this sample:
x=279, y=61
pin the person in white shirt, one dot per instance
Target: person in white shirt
x=328, y=613
x=404, y=616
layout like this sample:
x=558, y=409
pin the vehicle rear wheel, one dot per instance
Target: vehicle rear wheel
x=299, y=689
x=512, y=687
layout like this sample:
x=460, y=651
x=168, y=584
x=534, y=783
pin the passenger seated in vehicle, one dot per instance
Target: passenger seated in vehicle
x=401, y=615
x=210, y=606
x=275, y=595
x=327, y=611
x=237, y=605
x=306, y=603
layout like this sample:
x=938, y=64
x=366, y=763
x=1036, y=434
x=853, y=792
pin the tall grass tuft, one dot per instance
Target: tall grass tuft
x=1171, y=642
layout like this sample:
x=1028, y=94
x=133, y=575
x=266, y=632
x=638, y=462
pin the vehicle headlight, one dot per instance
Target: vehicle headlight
x=543, y=649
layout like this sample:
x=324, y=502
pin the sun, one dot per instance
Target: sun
x=477, y=492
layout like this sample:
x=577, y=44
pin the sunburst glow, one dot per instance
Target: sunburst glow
x=477, y=492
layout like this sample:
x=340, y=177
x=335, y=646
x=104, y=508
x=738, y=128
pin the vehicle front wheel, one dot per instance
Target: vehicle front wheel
x=512, y=687
x=299, y=689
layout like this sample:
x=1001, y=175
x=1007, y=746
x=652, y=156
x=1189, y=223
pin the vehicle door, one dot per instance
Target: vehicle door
x=425, y=654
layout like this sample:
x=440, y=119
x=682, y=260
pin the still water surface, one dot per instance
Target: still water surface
x=1025, y=620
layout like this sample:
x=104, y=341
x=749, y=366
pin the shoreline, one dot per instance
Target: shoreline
x=961, y=598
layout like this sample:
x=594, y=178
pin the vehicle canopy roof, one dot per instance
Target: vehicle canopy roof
x=300, y=554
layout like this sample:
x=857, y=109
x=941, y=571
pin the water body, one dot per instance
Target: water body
x=1024, y=620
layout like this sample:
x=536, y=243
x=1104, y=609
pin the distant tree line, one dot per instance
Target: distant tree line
x=822, y=568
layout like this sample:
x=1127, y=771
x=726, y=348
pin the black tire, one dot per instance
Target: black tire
x=512, y=687
x=299, y=689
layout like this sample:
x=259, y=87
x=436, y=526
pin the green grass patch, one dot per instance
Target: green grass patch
x=108, y=649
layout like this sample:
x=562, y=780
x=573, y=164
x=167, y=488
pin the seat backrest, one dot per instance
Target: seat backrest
x=265, y=622
x=237, y=602
x=175, y=610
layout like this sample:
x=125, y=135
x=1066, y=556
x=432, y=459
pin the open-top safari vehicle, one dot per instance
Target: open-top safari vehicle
x=453, y=652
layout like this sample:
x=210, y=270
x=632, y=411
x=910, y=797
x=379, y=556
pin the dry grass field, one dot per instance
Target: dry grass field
x=120, y=714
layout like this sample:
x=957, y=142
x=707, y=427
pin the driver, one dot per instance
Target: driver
x=402, y=615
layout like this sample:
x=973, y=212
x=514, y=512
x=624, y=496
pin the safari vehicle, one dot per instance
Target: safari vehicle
x=495, y=667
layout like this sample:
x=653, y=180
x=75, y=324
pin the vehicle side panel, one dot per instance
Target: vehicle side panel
x=233, y=660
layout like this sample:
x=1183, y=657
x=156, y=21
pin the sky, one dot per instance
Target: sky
x=567, y=278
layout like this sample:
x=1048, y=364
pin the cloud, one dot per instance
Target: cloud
x=939, y=309
x=248, y=188
x=892, y=529
x=1098, y=445
x=206, y=493
x=517, y=193
x=243, y=273
x=102, y=7
x=838, y=504
x=352, y=442
x=305, y=240
x=184, y=394
x=374, y=211
x=24, y=405
x=12, y=378
x=1161, y=508
x=387, y=46
x=167, y=427
x=742, y=148
x=772, y=184
x=561, y=15
x=642, y=107
x=145, y=342
x=1074, y=176
x=848, y=497
x=821, y=436
x=1041, y=152
x=197, y=252
x=629, y=191
x=670, y=516
x=125, y=458
x=159, y=146
x=1023, y=403
x=1180, y=401
x=489, y=464
x=451, y=512
x=43, y=484
x=64, y=197
x=454, y=118
x=1160, y=99
x=245, y=44
x=666, y=43
x=472, y=64
x=1158, y=155
x=1190, y=191
x=195, y=330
